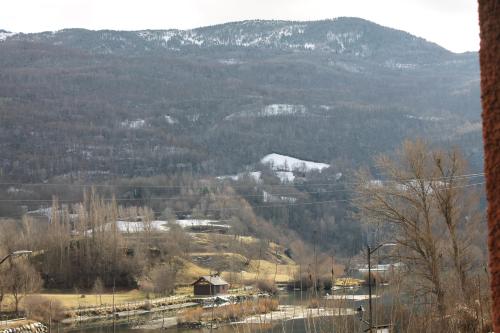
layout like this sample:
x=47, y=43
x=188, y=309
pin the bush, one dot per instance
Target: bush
x=231, y=312
x=314, y=304
x=43, y=309
x=267, y=286
x=191, y=315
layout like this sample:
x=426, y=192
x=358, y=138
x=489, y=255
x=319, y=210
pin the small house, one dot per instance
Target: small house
x=210, y=285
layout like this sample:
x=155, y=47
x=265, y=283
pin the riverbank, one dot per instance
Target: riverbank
x=292, y=312
x=22, y=326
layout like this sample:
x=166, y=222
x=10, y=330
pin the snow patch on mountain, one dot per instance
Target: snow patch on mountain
x=170, y=119
x=271, y=110
x=285, y=176
x=310, y=46
x=282, y=109
x=392, y=64
x=255, y=175
x=5, y=34
x=133, y=124
x=343, y=40
x=424, y=118
x=230, y=61
x=268, y=197
x=280, y=162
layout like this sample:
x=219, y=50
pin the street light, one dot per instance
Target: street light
x=370, y=251
x=15, y=254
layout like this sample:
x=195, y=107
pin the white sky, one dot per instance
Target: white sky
x=450, y=23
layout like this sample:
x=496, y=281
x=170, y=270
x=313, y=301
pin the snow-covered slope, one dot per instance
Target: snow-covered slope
x=162, y=226
x=280, y=162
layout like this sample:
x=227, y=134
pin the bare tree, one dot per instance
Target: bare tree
x=22, y=279
x=163, y=279
x=423, y=205
x=98, y=289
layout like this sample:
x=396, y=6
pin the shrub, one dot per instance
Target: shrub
x=267, y=286
x=43, y=309
x=191, y=315
x=314, y=303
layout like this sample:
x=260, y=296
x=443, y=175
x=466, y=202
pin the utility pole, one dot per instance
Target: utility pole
x=114, y=318
x=370, y=318
x=369, y=252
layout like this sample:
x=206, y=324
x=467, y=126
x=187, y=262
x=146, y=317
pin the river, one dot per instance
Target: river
x=303, y=299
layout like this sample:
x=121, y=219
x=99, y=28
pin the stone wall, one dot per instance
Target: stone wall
x=28, y=328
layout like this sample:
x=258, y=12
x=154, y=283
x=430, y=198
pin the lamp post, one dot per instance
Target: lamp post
x=15, y=254
x=370, y=251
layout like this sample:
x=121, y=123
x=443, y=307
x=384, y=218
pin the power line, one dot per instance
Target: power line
x=221, y=196
x=466, y=176
x=288, y=204
x=191, y=196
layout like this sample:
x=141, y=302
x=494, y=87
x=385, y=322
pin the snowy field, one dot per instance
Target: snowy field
x=138, y=123
x=288, y=163
x=162, y=226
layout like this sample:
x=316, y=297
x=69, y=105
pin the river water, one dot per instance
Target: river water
x=323, y=324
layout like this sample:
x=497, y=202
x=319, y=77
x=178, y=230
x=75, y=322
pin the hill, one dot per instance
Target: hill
x=91, y=105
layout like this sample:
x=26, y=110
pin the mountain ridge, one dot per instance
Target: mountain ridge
x=334, y=35
x=122, y=103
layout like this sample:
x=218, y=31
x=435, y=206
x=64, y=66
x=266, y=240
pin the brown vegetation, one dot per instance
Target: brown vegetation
x=427, y=207
x=43, y=309
x=232, y=312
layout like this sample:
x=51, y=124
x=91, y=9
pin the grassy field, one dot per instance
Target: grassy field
x=73, y=300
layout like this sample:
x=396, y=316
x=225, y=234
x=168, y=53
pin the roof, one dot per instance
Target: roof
x=215, y=280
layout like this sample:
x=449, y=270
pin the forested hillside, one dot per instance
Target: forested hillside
x=213, y=100
x=179, y=108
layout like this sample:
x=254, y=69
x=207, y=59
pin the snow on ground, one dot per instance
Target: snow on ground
x=255, y=175
x=397, y=65
x=271, y=110
x=381, y=267
x=285, y=176
x=138, y=123
x=309, y=46
x=4, y=35
x=268, y=197
x=282, y=109
x=162, y=226
x=171, y=120
x=280, y=162
x=350, y=297
x=230, y=61
x=41, y=211
x=423, y=118
x=125, y=226
x=199, y=223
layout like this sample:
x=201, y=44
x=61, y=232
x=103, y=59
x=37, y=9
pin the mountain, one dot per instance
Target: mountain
x=95, y=104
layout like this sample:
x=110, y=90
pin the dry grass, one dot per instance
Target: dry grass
x=190, y=272
x=232, y=312
x=256, y=270
x=193, y=315
x=89, y=300
x=263, y=269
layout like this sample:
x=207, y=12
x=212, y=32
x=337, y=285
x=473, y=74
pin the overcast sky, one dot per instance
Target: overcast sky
x=450, y=23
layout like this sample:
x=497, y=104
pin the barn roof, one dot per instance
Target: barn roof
x=212, y=279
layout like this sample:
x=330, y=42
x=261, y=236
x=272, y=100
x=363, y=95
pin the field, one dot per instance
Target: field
x=76, y=300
